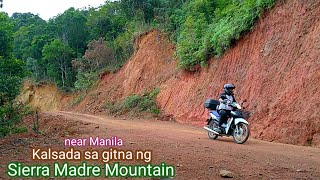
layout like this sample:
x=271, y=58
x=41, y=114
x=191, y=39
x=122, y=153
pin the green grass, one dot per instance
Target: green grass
x=8, y=130
x=135, y=104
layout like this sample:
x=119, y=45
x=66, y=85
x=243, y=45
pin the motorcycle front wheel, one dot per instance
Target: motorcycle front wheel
x=212, y=135
x=241, y=133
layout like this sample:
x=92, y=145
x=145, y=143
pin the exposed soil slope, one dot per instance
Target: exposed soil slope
x=276, y=67
x=151, y=66
x=44, y=97
x=186, y=147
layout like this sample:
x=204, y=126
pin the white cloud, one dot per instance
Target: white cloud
x=46, y=8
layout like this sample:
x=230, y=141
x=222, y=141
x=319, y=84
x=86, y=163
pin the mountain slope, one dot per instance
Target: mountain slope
x=276, y=67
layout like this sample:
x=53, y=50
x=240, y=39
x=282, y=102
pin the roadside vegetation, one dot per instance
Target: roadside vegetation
x=134, y=104
x=209, y=28
x=11, y=74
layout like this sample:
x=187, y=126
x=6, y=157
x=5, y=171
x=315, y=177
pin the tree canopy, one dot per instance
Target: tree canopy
x=199, y=28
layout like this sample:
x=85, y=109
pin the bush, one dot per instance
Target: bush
x=212, y=28
x=101, y=56
x=135, y=103
x=85, y=80
x=132, y=101
x=190, y=40
x=232, y=21
x=7, y=130
x=28, y=110
x=10, y=117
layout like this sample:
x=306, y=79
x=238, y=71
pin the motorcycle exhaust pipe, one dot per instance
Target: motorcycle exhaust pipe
x=210, y=130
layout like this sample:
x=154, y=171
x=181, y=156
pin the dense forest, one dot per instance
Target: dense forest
x=73, y=48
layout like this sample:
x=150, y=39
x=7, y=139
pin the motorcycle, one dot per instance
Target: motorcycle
x=236, y=126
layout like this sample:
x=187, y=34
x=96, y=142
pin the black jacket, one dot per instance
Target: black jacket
x=223, y=96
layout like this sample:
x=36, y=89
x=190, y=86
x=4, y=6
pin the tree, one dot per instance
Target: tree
x=97, y=56
x=26, y=27
x=11, y=70
x=35, y=63
x=28, y=19
x=22, y=42
x=11, y=74
x=107, y=22
x=30, y=35
x=71, y=28
x=143, y=8
x=6, y=30
x=58, y=57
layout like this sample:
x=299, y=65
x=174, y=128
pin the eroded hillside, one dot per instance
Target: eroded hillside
x=276, y=67
x=45, y=96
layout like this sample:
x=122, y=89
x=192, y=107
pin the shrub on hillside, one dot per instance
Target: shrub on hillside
x=213, y=28
x=10, y=117
x=135, y=104
x=97, y=57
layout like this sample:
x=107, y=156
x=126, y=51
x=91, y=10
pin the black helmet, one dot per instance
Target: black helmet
x=228, y=89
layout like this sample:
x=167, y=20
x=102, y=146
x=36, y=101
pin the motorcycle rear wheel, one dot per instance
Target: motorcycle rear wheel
x=242, y=135
x=212, y=135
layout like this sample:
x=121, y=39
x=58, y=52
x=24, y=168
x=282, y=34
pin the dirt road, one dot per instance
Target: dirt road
x=186, y=147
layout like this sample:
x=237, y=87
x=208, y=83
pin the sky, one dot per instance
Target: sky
x=46, y=8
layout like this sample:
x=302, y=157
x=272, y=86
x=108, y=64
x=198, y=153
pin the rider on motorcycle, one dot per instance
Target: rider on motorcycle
x=224, y=108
